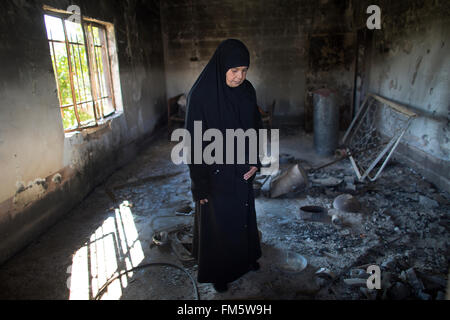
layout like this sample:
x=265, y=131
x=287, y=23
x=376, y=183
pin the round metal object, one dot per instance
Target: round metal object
x=313, y=213
x=346, y=202
x=292, y=262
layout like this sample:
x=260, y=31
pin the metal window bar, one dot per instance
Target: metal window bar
x=102, y=66
x=79, y=87
x=86, y=35
x=69, y=61
x=99, y=72
x=75, y=75
x=83, y=102
x=92, y=69
x=90, y=122
x=370, y=141
x=75, y=52
x=70, y=52
x=108, y=67
x=98, y=65
x=63, y=42
x=55, y=69
x=85, y=92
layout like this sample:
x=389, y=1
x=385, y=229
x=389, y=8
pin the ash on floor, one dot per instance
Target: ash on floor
x=401, y=226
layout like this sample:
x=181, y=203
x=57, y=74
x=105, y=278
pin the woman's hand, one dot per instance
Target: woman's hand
x=203, y=201
x=250, y=173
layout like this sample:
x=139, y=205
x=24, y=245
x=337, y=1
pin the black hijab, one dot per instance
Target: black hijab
x=214, y=102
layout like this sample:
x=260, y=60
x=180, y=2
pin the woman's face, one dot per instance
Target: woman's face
x=235, y=76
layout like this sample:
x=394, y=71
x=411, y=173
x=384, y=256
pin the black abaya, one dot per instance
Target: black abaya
x=226, y=240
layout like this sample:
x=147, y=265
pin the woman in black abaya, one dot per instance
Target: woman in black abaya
x=226, y=243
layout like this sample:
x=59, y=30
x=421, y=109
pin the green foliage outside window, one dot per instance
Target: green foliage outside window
x=79, y=63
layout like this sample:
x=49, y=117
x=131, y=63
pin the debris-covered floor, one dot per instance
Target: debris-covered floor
x=401, y=225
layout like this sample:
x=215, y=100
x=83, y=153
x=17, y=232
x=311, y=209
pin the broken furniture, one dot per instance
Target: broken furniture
x=175, y=111
x=296, y=177
x=370, y=141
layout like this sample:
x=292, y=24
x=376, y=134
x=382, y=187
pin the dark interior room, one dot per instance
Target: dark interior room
x=350, y=195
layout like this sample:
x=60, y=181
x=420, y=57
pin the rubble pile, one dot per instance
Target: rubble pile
x=400, y=223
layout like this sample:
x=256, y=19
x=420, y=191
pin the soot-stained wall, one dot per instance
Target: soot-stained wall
x=284, y=67
x=409, y=63
x=45, y=172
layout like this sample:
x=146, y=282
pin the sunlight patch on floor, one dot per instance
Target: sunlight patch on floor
x=112, y=248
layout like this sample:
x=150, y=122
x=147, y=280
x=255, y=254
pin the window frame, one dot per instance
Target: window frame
x=94, y=71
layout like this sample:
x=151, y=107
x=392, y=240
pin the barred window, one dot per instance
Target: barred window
x=82, y=68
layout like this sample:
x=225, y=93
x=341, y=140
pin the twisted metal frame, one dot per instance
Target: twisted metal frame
x=369, y=147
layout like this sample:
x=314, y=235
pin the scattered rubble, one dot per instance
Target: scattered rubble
x=346, y=202
x=57, y=178
x=427, y=202
x=400, y=222
x=292, y=178
x=327, y=182
x=184, y=209
x=399, y=228
x=325, y=271
x=355, y=282
x=411, y=277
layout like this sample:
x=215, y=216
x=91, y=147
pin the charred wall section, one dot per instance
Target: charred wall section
x=295, y=48
x=44, y=171
x=409, y=63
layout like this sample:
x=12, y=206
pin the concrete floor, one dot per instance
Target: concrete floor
x=112, y=229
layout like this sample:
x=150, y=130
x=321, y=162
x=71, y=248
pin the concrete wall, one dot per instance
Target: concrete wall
x=33, y=146
x=277, y=34
x=295, y=46
x=410, y=64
